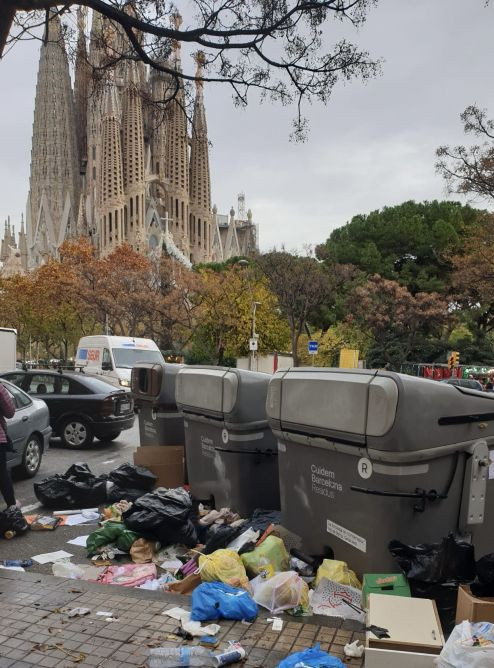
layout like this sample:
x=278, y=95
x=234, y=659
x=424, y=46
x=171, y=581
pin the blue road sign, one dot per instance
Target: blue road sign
x=313, y=347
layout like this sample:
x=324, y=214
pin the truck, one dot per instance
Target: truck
x=112, y=357
x=8, y=349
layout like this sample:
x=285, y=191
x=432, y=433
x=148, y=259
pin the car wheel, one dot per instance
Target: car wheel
x=31, y=457
x=110, y=437
x=76, y=433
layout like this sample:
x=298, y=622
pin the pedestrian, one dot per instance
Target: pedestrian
x=7, y=410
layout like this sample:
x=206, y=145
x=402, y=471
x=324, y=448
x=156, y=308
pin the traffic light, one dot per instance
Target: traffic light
x=453, y=359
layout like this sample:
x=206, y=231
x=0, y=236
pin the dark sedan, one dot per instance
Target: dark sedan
x=81, y=407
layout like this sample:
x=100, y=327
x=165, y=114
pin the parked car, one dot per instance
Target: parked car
x=81, y=407
x=29, y=430
x=471, y=383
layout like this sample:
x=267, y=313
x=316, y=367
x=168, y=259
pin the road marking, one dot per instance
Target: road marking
x=31, y=506
x=109, y=461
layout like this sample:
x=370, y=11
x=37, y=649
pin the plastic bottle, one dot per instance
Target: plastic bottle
x=176, y=657
x=24, y=563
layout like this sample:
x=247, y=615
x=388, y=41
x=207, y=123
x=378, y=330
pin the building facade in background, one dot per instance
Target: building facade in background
x=116, y=159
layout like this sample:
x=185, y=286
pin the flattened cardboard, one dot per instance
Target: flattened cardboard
x=473, y=609
x=166, y=462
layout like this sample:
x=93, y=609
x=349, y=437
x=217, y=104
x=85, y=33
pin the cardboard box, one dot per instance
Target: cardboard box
x=166, y=462
x=472, y=608
x=392, y=584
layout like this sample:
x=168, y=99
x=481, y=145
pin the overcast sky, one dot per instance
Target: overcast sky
x=372, y=146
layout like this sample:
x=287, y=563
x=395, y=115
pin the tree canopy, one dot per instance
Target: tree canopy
x=410, y=243
x=280, y=48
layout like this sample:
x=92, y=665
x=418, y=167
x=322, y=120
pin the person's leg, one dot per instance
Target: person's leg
x=6, y=486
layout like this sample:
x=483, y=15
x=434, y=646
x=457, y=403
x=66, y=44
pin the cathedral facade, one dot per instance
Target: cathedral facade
x=111, y=162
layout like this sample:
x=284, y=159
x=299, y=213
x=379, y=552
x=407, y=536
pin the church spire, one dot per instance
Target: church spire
x=200, y=182
x=111, y=186
x=133, y=159
x=81, y=85
x=54, y=180
x=177, y=159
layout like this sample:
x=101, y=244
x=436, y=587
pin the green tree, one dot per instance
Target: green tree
x=410, y=243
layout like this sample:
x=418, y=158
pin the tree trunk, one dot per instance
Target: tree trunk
x=221, y=356
x=296, y=360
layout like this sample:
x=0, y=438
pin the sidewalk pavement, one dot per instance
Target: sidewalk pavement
x=35, y=629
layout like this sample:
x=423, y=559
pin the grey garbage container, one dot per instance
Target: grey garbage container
x=230, y=451
x=153, y=392
x=370, y=456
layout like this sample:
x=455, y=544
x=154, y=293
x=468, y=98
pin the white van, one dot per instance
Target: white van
x=114, y=356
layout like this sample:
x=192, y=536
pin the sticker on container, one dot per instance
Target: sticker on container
x=491, y=465
x=224, y=436
x=281, y=447
x=364, y=468
x=346, y=535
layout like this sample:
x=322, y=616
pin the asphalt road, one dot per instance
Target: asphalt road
x=101, y=458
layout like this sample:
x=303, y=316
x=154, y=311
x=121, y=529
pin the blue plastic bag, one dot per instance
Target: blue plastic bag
x=216, y=600
x=311, y=658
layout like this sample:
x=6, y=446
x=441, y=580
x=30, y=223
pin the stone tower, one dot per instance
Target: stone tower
x=133, y=160
x=54, y=181
x=111, y=184
x=177, y=161
x=81, y=87
x=200, y=181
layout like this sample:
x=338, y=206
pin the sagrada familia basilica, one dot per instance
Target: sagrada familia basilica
x=110, y=162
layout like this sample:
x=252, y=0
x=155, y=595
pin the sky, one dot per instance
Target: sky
x=373, y=145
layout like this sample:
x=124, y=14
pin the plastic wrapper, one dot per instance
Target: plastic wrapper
x=311, y=658
x=337, y=571
x=223, y=566
x=217, y=600
x=45, y=523
x=113, y=533
x=283, y=591
x=128, y=575
x=331, y=598
x=270, y=556
x=129, y=476
x=468, y=646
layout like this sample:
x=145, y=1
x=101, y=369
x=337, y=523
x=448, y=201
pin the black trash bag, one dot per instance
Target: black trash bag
x=171, y=534
x=90, y=493
x=76, y=488
x=451, y=559
x=79, y=471
x=12, y=519
x=219, y=535
x=485, y=569
x=435, y=571
x=117, y=493
x=164, y=514
x=133, y=477
x=54, y=492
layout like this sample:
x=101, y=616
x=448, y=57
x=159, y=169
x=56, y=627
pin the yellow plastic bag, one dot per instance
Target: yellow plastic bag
x=269, y=558
x=337, y=571
x=224, y=566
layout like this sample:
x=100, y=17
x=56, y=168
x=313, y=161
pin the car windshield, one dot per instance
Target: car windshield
x=125, y=358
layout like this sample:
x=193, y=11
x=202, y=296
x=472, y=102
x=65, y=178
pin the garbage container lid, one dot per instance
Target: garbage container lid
x=381, y=409
x=233, y=394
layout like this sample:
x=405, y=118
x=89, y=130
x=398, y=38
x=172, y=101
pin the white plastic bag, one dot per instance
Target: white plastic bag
x=329, y=599
x=65, y=569
x=281, y=592
x=459, y=650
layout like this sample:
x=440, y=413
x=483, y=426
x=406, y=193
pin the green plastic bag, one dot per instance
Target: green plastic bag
x=113, y=533
x=270, y=557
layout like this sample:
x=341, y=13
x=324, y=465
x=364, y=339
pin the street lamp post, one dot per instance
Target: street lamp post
x=254, y=335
